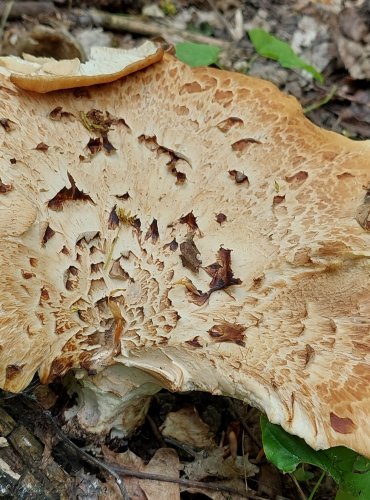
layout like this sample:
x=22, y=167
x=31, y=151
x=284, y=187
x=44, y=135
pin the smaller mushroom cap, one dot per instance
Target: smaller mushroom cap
x=106, y=64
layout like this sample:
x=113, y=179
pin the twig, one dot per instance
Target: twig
x=8, y=7
x=116, y=471
x=87, y=456
x=182, y=446
x=185, y=482
x=301, y=494
x=234, y=410
x=244, y=466
x=221, y=18
x=142, y=26
x=313, y=492
x=316, y=105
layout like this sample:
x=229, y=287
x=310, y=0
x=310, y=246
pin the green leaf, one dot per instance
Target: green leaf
x=197, y=54
x=350, y=471
x=269, y=46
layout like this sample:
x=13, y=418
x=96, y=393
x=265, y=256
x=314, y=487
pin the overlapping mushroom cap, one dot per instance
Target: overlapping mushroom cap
x=193, y=224
x=105, y=64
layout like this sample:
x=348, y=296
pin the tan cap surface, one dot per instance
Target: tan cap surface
x=216, y=247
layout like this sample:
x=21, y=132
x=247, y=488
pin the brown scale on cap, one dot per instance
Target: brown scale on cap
x=118, y=287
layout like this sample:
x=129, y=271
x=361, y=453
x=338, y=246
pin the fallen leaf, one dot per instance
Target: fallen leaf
x=215, y=465
x=165, y=462
x=186, y=426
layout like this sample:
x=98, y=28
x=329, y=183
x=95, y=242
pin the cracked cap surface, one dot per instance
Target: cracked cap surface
x=202, y=231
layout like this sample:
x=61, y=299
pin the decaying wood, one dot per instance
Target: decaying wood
x=21, y=456
x=145, y=27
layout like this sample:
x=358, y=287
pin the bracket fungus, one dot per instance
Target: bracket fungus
x=116, y=266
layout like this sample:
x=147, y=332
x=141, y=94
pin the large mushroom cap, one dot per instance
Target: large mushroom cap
x=203, y=231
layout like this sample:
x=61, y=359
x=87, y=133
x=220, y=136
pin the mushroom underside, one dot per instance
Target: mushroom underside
x=187, y=229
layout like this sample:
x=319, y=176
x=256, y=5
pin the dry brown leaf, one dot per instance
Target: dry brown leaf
x=214, y=465
x=164, y=462
x=187, y=427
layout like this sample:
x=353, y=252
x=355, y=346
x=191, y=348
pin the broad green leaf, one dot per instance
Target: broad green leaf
x=197, y=54
x=284, y=450
x=350, y=471
x=269, y=46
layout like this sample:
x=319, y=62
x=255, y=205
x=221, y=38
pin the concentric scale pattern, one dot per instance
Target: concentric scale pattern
x=193, y=224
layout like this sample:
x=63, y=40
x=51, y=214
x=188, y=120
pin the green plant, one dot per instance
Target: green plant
x=349, y=470
x=197, y=54
x=269, y=46
x=168, y=7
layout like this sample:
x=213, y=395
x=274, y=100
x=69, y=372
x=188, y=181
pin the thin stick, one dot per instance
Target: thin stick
x=184, y=482
x=142, y=26
x=182, y=446
x=8, y=7
x=221, y=18
x=297, y=485
x=87, y=456
x=313, y=492
x=114, y=470
x=316, y=105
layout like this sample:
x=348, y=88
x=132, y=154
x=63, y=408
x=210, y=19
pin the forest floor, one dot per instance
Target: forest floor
x=193, y=437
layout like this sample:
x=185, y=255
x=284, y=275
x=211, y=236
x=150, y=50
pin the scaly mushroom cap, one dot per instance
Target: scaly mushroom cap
x=203, y=231
x=106, y=64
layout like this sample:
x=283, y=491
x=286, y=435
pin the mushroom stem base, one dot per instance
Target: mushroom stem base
x=115, y=400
